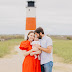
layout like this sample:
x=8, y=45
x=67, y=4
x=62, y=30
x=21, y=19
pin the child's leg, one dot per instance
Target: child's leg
x=35, y=56
x=38, y=57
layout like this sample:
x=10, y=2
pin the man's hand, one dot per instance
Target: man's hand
x=47, y=50
x=39, y=48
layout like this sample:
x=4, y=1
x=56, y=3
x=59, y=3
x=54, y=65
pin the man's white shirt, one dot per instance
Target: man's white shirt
x=45, y=42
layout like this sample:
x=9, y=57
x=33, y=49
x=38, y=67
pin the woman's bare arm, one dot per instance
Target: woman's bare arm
x=37, y=52
x=25, y=53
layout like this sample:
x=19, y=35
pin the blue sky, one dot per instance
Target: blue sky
x=55, y=16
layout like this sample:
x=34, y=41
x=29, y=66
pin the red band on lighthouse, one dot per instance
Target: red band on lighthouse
x=30, y=23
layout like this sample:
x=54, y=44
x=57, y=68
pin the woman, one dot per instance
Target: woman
x=30, y=64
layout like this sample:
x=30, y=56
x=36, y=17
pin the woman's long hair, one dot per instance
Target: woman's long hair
x=29, y=33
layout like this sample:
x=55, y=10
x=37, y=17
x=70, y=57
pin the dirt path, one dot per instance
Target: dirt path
x=59, y=66
x=13, y=63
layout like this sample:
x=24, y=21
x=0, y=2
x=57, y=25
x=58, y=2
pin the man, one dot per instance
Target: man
x=47, y=50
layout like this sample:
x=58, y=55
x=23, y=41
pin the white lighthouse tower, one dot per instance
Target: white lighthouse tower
x=30, y=17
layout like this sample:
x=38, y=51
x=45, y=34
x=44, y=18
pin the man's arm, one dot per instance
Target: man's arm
x=49, y=46
x=47, y=50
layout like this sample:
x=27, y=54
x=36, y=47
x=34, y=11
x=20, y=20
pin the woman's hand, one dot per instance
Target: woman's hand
x=33, y=53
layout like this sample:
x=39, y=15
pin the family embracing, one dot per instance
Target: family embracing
x=38, y=51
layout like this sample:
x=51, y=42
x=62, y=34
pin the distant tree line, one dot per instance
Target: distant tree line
x=8, y=37
x=64, y=37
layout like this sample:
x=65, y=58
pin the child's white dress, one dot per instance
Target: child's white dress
x=35, y=42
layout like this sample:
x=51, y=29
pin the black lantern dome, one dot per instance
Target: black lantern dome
x=31, y=3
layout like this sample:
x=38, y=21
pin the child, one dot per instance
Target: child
x=35, y=44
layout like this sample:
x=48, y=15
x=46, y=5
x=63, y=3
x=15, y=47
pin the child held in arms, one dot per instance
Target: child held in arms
x=35, y=44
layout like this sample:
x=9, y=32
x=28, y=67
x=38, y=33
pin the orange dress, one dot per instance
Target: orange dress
x=29, y=64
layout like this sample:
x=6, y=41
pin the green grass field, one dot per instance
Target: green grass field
x=63, y=48
x=7, y=46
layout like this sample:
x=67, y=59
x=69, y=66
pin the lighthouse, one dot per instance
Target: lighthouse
x=30, y=17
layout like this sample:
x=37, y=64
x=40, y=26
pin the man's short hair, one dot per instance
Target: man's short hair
x=38, y=30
